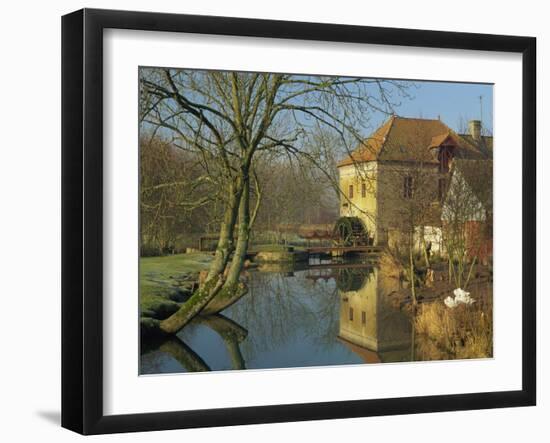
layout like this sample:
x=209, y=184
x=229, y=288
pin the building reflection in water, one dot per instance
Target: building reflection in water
x=371, y=324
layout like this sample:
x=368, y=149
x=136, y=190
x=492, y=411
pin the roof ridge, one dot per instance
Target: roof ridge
x=467, y=134
x=419, y=118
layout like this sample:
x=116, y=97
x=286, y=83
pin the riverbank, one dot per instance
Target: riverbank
x=168, y=281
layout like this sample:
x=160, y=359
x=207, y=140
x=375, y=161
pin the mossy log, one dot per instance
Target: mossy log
x=214, y=287
x=192, y=307
x=225, y=298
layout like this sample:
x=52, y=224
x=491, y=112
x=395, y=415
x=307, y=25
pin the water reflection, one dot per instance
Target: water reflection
x=370, y=321
x=326, y=314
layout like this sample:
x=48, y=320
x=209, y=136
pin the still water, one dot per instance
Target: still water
x=333, y=314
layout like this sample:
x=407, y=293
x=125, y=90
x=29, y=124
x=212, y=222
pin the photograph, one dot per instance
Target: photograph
x=274, y=221
x=292, y=220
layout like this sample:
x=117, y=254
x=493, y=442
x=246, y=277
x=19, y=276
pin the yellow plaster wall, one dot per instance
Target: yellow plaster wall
x=382, y=209
x=358, y=206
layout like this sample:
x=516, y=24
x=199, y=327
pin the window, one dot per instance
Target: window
x=350, y=314
x=444, y=158
x=350, y=192
x=408, y=187
x=442, y=188
x=364, y=317
x=363, y=190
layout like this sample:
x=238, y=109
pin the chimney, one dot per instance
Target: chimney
x=475, y=129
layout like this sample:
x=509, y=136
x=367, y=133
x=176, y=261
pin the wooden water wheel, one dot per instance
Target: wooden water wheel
x=350, y=231
x=352, y=279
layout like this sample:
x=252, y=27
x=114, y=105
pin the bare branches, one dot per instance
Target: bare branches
x=258, y=190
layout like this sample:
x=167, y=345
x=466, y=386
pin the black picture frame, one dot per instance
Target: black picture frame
x=82, y=218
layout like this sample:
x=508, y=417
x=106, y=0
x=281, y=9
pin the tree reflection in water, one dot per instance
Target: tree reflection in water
x=326, y=315
x=279, y=307
x=231, y=333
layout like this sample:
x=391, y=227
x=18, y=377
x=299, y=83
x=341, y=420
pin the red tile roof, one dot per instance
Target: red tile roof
x=438, y=140
x=409, y=139
x=370, y=147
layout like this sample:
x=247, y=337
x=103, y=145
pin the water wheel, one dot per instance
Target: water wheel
x=350, y=231
x=352, y=279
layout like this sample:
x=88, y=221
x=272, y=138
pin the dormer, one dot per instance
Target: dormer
x=445, y=146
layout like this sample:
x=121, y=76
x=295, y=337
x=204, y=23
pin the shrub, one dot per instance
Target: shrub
x=463, y=332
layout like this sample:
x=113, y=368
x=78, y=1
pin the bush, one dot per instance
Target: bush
x=149, y=251
x=460, y=333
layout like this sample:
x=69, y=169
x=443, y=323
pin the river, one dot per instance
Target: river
x=329, y=314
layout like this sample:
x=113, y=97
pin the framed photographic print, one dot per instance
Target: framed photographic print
x=271, y=221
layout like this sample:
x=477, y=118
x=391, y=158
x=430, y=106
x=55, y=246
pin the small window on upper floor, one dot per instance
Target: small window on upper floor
x=363, y=190
x=350, y=191
x=445, y=157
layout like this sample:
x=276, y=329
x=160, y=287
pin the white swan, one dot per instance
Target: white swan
x=460, y=296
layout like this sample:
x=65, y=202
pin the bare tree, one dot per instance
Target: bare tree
x=467, y=215
x=409, y=192
x=227, y=119
x=171, y=198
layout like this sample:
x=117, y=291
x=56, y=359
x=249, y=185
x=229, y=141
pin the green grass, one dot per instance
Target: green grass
x=164, y=279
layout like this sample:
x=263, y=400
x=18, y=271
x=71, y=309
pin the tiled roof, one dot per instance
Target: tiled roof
x=439, y=139
x=370, y=147
x=410, y=139
x=485, y=145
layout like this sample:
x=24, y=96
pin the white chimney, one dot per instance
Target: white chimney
x=475, y=129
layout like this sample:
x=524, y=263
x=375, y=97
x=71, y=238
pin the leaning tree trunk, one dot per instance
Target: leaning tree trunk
x=225, y=242
x=233, y=289
x=241, y=249
x=192, y=307
x=215, y=279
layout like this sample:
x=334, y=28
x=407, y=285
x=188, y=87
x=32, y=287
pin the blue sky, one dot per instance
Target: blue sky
x=454, y=103
x=450, y=101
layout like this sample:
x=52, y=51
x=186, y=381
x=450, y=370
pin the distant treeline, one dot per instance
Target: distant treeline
x=178, y=202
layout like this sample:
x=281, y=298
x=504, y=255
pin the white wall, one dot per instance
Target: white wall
x=30, y=218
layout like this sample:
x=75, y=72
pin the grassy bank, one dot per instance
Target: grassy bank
x=167, y=281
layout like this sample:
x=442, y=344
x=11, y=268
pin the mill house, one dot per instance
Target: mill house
x=401, y=174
